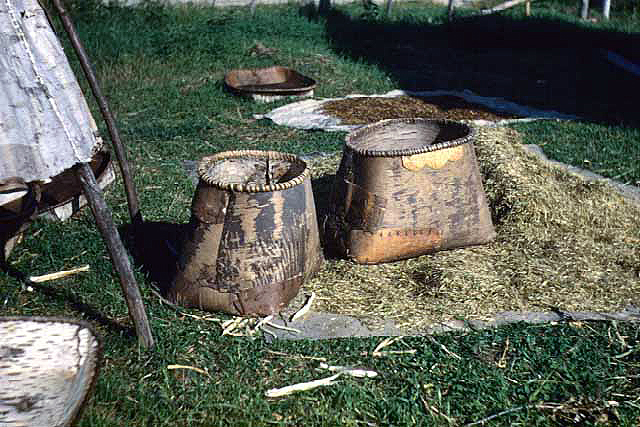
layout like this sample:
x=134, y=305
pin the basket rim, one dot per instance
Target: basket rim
x=207, y=161
x=363, y=130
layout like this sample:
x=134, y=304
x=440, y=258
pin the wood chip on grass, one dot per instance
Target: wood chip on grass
x=310, y=385
x=58, y=275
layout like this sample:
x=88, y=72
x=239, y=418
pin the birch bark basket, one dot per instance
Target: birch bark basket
x=45, y=123
x=47, y=369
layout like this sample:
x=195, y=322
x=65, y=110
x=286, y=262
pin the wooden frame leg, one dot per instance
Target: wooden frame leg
x=118, y=147
x=117, y=252
x=584, y=11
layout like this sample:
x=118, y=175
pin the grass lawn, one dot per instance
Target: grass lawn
x=161, y=68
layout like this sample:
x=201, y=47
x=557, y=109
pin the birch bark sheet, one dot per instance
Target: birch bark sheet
x=45, y=122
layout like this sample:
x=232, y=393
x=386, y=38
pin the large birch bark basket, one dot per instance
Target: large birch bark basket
x=253, y=234
x=48, y=367
x=407, y=187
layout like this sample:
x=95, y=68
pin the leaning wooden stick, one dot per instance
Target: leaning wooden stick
x=132, y=196
x=58, y=274
x=117, y=252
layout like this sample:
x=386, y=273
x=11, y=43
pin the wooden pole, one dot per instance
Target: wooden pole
x=606, y=8
x=503, y=6
x=132, y=196
x=450, y=9
x=584, y=11
x=252, y=7
x=117, y=252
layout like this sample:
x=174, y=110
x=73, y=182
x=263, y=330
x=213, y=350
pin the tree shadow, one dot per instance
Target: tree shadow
x=538, y=62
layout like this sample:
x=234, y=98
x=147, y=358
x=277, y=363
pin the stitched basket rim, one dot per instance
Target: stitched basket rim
x=361, y=132
x=206, y=162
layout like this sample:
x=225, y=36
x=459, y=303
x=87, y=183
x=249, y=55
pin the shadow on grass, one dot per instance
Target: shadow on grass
x=155, y=247
x=540, y=62
x=69, y=298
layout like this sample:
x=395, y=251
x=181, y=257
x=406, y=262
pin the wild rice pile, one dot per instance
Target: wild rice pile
x=563, y=243
x=359, y=110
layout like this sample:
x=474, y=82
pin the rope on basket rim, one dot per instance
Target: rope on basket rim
x=206, y=162
x=367, y=129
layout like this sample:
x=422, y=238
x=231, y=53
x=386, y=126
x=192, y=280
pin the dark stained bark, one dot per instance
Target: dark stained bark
x=253, y=243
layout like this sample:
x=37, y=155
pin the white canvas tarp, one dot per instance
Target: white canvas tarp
x=45, y=123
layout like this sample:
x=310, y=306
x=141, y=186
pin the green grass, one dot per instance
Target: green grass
x=515, y=366
x=161, y=69
x=612, y=151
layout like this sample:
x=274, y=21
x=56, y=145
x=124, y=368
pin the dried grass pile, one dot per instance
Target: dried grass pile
x=359, y=110
x=562, y=243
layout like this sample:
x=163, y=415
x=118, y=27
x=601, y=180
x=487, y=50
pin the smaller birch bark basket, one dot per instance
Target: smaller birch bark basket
x=404, y=188
x=48, y=367
x=253, y=236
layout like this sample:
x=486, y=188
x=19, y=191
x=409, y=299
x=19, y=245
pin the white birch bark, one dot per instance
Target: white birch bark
x=45, y=123
x=47, y=368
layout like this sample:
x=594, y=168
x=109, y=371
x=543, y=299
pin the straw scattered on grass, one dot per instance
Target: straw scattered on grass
x=58, y=275
x=563, y=243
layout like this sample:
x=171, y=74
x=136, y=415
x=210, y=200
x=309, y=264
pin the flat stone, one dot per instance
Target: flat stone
x=320, y=325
